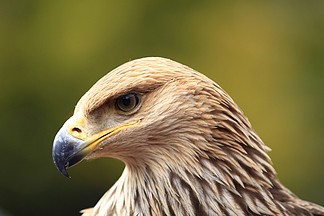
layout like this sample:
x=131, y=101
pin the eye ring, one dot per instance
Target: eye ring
x=128, y=103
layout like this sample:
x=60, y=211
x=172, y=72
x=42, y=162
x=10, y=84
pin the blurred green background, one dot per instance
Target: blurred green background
x=268, y=55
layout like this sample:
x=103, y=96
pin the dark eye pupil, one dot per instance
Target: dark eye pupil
x=128, y=102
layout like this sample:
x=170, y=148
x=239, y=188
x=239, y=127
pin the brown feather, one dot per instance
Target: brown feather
x=194, y=153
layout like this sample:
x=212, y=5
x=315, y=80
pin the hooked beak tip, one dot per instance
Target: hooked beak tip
x=62, y=168
x=66, y=151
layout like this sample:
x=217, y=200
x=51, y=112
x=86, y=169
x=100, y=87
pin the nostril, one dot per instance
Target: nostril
x=76, y=130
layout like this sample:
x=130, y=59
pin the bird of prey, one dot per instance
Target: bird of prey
x=188, y=149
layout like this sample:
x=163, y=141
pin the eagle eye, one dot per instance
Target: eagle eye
x=128, y=103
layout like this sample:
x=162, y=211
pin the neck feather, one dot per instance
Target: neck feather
x=211, y=188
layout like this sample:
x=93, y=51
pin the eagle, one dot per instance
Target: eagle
x=188, y=149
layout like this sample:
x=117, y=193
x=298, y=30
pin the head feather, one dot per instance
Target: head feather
x=195, y=152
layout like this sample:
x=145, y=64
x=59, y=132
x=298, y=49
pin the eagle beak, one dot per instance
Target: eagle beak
x=67, y=151
x=72, y=145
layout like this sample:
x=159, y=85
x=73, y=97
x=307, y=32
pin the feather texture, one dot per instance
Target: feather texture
x=194, y=153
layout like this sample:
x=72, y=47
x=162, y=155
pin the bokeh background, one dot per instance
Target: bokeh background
x=268, y=55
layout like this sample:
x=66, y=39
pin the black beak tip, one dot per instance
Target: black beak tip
x=61, y=152
x=61, y=165
x=67, y=151
x=65, y=173
x=63, y=170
